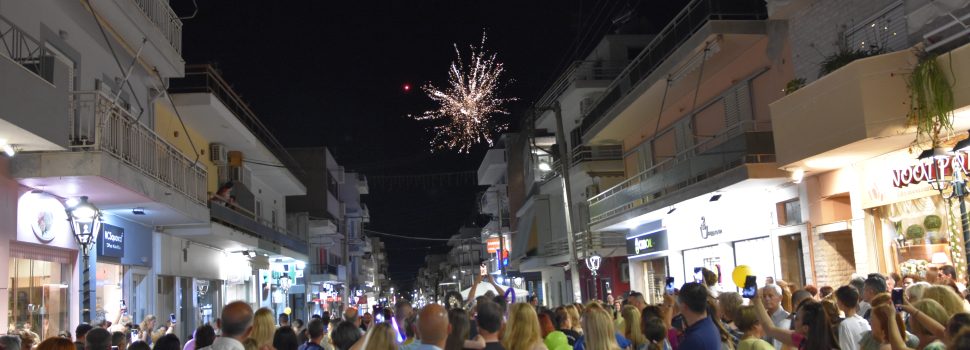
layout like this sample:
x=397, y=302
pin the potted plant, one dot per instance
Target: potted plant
x=933, y=223
x=915, y=234
x=931, y=100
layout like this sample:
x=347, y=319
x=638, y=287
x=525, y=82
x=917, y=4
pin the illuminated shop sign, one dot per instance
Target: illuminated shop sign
x=111, y=241
x=931, y=170
x=648, y=243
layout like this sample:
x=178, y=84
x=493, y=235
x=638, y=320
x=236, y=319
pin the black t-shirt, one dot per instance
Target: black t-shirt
x=494, y=346
x=472, y=329
x=571, y=336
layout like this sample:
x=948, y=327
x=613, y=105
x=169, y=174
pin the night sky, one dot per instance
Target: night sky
x=327, y=73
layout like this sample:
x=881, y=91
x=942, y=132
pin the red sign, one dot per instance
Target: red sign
x=492, y=244
x=930, y=170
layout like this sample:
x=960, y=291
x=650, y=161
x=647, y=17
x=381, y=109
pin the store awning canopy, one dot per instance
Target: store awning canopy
x=483, y=287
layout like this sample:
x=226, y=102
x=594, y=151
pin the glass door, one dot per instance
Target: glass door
x=139, y=296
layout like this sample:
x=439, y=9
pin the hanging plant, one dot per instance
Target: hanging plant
x=931, y=100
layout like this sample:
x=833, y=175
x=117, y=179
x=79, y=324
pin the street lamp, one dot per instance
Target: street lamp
x=951, y=163
x=85, y=220
x=593, y=264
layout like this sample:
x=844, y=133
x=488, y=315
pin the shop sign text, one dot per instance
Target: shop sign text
x=929, y=170
x=111, y=241
x=648, y=243
x=706, y=231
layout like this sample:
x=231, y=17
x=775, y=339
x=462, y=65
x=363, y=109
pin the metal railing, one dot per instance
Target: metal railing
x=582, y=154
x=268, y=223
x=97, y=123
x=165, y=19
x=726, y=150
x=205, y=78
x=598, y=240
x=670, y=38
x=25, y=50
x=581, y=70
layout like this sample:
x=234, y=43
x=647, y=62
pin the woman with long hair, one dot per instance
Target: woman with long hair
x=382, y=337
x=459, y=329
x=812, y=331
x=145, y=329
x=572, y=311
x=264, y=325
x=598, y=332
x=522, y=330
x=945, y=295
x=631, y=327
x=926, y=322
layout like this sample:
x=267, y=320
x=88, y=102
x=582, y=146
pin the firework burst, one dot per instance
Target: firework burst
x=467, y=104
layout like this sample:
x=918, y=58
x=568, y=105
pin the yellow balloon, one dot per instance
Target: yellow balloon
x=287, y=310
x=740, y=273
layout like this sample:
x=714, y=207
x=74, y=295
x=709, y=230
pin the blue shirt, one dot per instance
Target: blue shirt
x=702, y=335
x=620, y=340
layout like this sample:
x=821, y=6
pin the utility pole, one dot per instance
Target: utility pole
x=564, y=162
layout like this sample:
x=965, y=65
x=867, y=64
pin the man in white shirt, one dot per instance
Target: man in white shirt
x=236, y=324
x=853, y=326
x=772, y=299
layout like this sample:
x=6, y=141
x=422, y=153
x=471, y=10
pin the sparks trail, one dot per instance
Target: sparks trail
x=468, y=103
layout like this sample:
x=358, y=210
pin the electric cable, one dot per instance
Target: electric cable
x=114, y=55
x=412, y=236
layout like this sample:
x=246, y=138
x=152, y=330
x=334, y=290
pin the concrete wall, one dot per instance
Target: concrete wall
x=33, y=104
x=167, y=126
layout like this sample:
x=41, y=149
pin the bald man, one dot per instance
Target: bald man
x=236, y=324
x=434, y=327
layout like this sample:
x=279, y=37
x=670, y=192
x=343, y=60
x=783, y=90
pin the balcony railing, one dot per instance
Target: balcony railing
x=598, y=240
x=745, y=142
x=671, y=37
x=165, y=19
x=97, y=123
x=247, y=222
x=205, y=78
x=580, y=70
x=25, y=50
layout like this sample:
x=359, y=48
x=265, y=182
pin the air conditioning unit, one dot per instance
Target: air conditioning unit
x=218, y=154
x=236, y=174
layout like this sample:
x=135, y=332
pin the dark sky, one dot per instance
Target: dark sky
x=329, y=73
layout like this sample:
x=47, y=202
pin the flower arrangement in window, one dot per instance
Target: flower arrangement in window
x=914, y=267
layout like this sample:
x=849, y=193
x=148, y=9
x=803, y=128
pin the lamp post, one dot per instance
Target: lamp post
x=948, y=177
x=593, y=264
x=85, y=220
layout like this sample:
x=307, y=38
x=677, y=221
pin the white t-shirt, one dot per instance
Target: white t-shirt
x=850, y=332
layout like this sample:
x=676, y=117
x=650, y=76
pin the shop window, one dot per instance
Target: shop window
x=762, y=265
x=39, y=295
x=109, y=291
x=916, y=234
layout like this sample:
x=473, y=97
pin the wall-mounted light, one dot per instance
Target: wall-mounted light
x=672, y=210
x=545, y=166
x=715, y=197
x=138, y=211
x=798, y=175
x=7, y=148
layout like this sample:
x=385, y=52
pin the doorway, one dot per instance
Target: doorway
x=791, y=256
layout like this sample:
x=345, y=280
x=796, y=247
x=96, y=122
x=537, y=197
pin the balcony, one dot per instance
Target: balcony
x=364, y=213
x=119, y=163
x=736, y=147
x=858, y=111
x=32, y=78
x=149, y=25
x=687, y=30
x=247, y=222
x=212, y=108
x=582, y=74
x=596, y=241
x=493, y=166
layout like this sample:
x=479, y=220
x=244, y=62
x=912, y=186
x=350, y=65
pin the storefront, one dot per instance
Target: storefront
x=646, y=247
x=738, y=225
x=41, y=276
x=912, y=226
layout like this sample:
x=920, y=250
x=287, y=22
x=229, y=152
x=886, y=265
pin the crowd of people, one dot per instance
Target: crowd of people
x=874, y=312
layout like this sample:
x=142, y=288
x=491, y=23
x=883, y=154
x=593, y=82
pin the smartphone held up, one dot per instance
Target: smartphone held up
x=750, y=289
